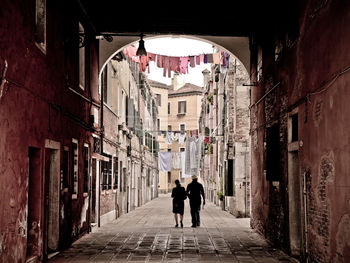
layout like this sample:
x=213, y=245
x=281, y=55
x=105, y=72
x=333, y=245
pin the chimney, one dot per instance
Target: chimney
x=206, y=77
x=177, y=81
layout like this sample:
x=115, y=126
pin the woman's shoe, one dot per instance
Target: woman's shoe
x=182, y=225
x=176, y=225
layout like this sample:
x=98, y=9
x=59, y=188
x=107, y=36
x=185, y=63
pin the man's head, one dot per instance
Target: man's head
x=194, y=177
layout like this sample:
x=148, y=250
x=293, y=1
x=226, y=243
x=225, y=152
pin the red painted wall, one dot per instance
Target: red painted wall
x=37, y=105
x=315, y=77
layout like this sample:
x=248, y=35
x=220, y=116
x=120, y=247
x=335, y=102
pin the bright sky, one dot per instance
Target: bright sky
x=176, y=46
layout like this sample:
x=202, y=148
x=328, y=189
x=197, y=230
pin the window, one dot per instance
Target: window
x=106, y=168
x=182, y=128
x=81, y=59
x=295, y=127
x=115, y=172
x=181, y=107
x=75, y=167
x=158, y=124
x=168, y=107
x=182, y=149
x=40, y=24
x=169, y=127
x=86, y=167
x=169, y=177
x=158, y=99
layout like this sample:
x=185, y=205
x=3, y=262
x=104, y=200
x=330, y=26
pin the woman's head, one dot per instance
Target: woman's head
x=177, y=182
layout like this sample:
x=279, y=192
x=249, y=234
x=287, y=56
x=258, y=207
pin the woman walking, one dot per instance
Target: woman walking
x=179, y=195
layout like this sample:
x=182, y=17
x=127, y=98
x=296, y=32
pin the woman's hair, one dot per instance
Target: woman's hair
x=177, y=182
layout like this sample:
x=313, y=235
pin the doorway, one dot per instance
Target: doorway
x=34, y=204
x=294, y=186
x=52, y=197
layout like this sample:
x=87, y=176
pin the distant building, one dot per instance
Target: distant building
x=179, y=111
x=225, y=122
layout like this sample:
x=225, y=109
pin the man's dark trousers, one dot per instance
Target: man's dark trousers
x=195, y=214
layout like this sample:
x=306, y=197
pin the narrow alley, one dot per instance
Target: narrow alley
x=147, y=234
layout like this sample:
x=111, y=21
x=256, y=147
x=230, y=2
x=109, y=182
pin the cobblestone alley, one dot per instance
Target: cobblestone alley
x=147, y=234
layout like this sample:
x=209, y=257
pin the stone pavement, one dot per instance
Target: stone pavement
x=147, y=234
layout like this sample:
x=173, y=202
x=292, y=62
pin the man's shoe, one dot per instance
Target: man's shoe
x=176, y=225
x=193, y=226
x=181, y=224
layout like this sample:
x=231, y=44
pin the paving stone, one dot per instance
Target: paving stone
x=147, y=234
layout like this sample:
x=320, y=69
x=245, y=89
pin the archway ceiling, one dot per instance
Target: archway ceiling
x=228, y=18
x=227, y=24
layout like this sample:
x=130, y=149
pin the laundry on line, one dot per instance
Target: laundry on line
x=174, y=63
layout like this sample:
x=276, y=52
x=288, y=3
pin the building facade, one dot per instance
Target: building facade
x=179, y=109
x=225, y=125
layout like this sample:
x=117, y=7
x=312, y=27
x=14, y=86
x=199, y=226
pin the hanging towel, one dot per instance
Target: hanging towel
x=164, y=161
x=201, y=58
x=192, y=62
x=183, y=166
x=198, y=60
x=183, y=65
x=216, y=58
x=210, y=58
x=176, y=161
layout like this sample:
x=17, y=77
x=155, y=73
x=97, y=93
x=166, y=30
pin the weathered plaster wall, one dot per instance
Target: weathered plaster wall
x=37, y=105
x=314, y=77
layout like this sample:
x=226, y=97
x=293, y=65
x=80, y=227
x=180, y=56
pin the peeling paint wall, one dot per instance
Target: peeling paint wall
x=38, y=104
x=314, y=76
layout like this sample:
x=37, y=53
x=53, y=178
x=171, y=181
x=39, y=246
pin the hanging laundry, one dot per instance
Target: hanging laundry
x=164, y=161
x=216, y=58
x=130, y=51
x=182, y=137
x=144, y=63
x=168, y=139
x=176, y=160
x=201, y=58
x=175, y=64
x=192, y=62
x=175, y=136
x=183, y=65
x=223, y=59
x=152, y=57
x=207, y=140
x=227, y=59
x=159, y=61
x=205, y=58
x=198, y=60
x=166, y=66
x=193, y=156
x=210, y=58
x=183, y=166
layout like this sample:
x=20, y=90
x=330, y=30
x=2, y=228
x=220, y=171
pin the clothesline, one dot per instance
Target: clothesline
x=178, y=64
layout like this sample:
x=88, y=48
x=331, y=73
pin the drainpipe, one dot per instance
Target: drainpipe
x=305, y=218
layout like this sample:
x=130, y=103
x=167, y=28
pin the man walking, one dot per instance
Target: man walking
x=195, y=191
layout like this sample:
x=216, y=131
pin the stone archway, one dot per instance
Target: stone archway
x=237, y=46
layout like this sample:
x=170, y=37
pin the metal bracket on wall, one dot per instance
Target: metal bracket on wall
x=3, y=80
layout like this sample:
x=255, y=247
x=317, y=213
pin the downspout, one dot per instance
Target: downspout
x=101, y=150
x=305, y=219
